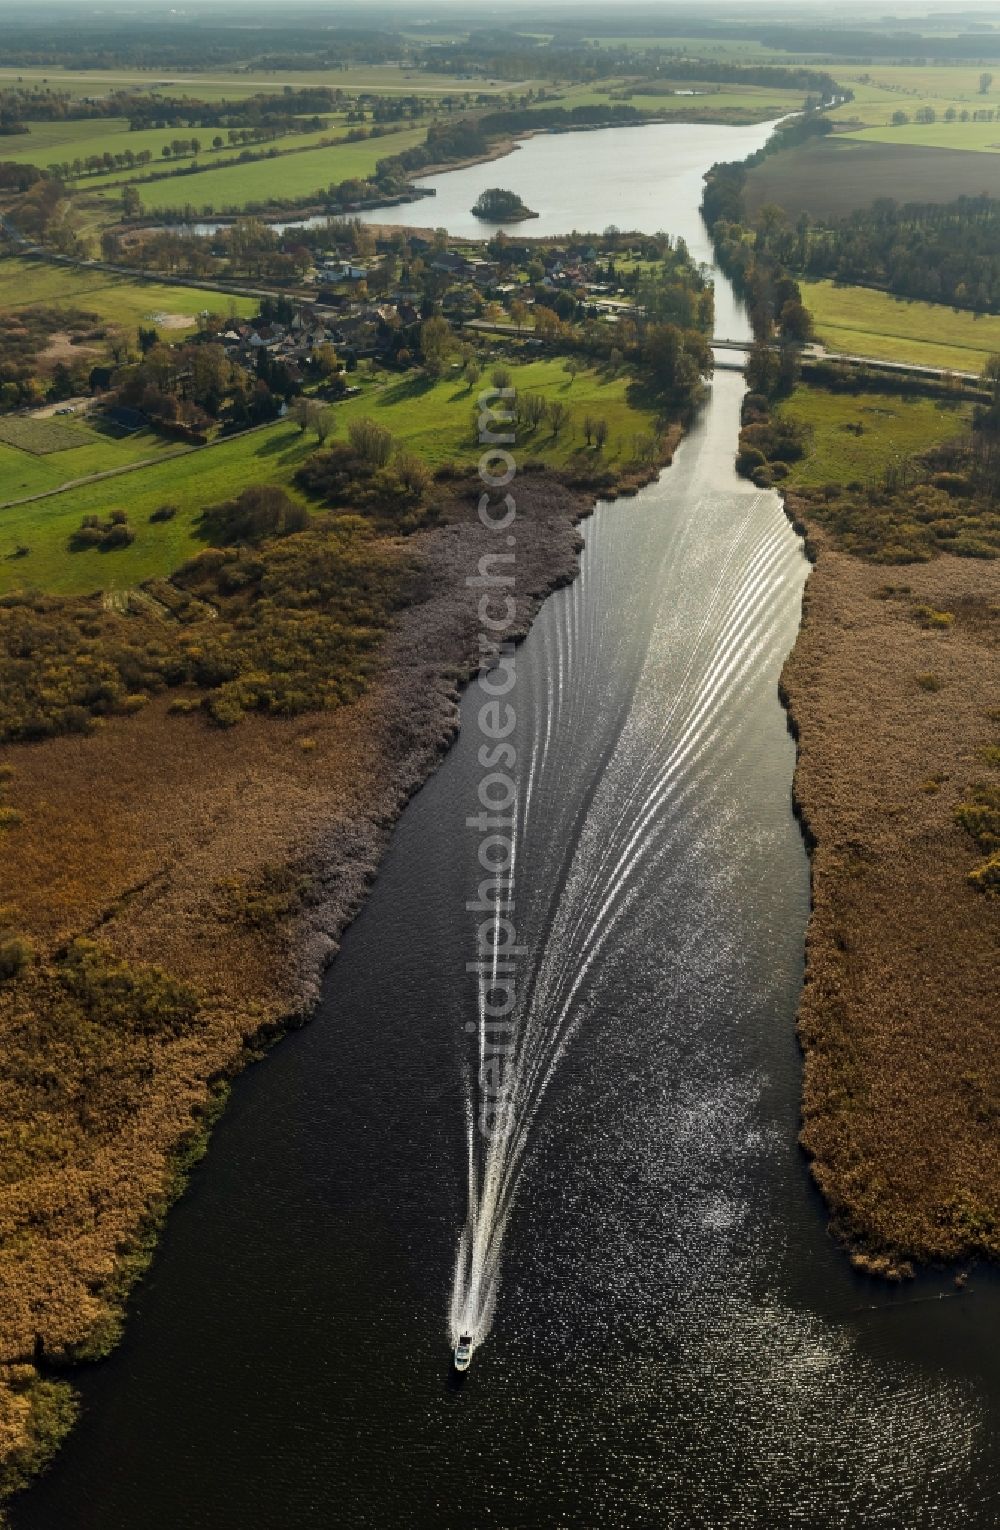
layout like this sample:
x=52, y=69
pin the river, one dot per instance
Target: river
x=666, y=1336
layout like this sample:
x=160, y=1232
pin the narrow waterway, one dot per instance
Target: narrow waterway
x=666, y=1336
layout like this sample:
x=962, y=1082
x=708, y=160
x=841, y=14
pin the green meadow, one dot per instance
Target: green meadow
x=860, y=321
x=288, y=176
x=977, y=137
x=23, y=473
x=433, y=418
x=892, y=428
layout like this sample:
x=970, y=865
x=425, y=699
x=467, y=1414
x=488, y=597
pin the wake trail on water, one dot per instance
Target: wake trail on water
x=595, y=837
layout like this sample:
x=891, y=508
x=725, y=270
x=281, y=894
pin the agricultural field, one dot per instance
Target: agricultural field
x=756, y=100
x=879, y=91
x=375, y=79
x=55, y=143
x=834, y=176
x=853, y=437
x=26, y=283
x=907, y=86
x=730, y=51
x=289, y=176
x=860, y=321
x=972, y=137
x=869, y=158
x=434, y=418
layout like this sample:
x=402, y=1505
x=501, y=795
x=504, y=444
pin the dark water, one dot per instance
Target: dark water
x=672, y=1340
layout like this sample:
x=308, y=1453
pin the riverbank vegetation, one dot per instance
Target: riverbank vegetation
x=888, y=687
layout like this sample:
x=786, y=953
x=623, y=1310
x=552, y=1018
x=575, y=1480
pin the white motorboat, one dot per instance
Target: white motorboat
x=463, y=1352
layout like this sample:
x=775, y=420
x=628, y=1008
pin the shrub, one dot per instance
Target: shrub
x=371, y=442
x=986, y=878
x=118, y=535
x=412, y=473
x=107, y=535
x=955, y=484
x=750, y=458
x=755, y=407
x=929, y=681
x=224, y=710
x=979, y=816
x=123, y=998
x=15, y=954
x=164, y=513
x=260, y=512
x=394, y=494
x=779, y=439
x=272, y=895
x=936, y=620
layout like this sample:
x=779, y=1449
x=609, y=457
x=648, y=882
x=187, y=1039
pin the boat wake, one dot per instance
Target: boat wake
x=616, y=749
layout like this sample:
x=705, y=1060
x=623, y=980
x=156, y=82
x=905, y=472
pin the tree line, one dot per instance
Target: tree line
x=943, y=253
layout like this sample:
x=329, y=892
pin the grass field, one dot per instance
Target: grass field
x=83, y=452
x=836, y=175
x=892, y=429
x=862, y=322
x=25, y=283
x=433, y=418
x=973, y=137
x=290, y=176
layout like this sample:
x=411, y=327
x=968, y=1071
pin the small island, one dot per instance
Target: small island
x=499, y=206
